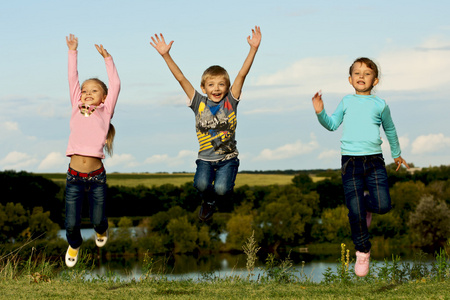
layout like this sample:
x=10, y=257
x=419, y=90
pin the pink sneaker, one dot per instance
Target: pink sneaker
x=368, y=218
x=362, y=263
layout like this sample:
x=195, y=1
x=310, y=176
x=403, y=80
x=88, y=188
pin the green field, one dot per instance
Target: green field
x=232, y=288
x=178, y=179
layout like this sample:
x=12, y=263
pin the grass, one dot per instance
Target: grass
x=178, y=179
x=38, y=278
x=221, y=289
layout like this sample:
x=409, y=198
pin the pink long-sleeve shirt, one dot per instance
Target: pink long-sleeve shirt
x=88, y=134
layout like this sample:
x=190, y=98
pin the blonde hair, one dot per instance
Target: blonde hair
x=111, y=131
x=214, y=71
x=110, y=139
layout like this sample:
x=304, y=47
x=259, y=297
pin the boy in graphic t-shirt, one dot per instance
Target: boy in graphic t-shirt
x=215, y=119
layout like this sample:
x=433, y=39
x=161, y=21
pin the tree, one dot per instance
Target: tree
x=331, y=193
x=405, y=197
x=430, y=223
x=333, y=226
x=40, y=225
x=29, y=190
x=284, y=215
x=241, y=225
x=303, y=182
x=183, y=234
x=13, y=221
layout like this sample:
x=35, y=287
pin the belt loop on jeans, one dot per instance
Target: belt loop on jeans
x=86, y=175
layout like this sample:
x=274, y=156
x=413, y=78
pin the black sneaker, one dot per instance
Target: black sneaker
x=206, y=211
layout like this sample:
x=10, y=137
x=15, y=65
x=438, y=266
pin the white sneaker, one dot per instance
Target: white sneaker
x=71, y=256
x=101, y=239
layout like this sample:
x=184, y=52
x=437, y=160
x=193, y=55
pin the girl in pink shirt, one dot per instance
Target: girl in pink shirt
x=90, y=131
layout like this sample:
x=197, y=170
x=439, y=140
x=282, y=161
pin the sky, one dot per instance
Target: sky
x=306, y=46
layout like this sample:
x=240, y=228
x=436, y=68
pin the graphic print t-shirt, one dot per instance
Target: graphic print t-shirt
x=215, y=124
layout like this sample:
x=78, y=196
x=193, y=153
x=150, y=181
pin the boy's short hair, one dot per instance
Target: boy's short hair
x=214, y=71
x=368, y=62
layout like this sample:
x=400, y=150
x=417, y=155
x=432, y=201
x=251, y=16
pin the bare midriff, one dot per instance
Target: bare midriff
x=85, y=164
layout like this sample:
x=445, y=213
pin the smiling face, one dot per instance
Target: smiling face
x=362, y=78
x=215, y=87
x=92, y=93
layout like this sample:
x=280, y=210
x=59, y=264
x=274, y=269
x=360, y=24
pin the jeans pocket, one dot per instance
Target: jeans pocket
x=100, y=178
x=380, y=160
x=71, y=178
x=345, y=161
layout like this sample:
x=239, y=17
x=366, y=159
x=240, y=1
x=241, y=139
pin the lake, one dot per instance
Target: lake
x=221, y=265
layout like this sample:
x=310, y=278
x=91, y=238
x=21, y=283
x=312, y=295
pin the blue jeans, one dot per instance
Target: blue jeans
x=215, y=179
x=77, y=188
x=361, y=173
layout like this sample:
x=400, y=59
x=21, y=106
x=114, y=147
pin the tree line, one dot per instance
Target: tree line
x=164, y=218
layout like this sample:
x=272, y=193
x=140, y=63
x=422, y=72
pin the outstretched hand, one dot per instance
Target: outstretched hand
x=72, y=42
x=255, y=39
x=399, y=161
x=160, y=45
x=318, y=102
x=102, y=51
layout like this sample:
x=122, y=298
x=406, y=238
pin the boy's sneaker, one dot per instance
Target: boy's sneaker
x=71, y=256
x=101, y=239
x=362, y=263
x=206, y=211
x=368, y=218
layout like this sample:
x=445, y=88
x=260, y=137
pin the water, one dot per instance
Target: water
x=222, y=265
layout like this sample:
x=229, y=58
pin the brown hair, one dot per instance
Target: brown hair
x=214, y=71
x=111, y=131
x=368, y=62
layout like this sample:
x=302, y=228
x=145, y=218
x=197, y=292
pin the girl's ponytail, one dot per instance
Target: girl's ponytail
x=110, y=139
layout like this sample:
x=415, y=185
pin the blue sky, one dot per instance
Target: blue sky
x=306, y=46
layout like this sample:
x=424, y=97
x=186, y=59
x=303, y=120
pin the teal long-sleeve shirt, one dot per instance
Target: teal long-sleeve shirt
x=361, y=117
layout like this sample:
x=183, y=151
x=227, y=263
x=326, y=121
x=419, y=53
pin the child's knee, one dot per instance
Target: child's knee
x=384, y=209
x=201, y=185
x=222, y=189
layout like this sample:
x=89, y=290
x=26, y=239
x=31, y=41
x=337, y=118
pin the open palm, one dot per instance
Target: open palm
x=160, y=45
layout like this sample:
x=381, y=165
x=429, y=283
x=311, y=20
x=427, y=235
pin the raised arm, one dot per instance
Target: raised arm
x=102, y=51
x=72, y=42
x=160, y=45
x=318, y=102
x=332, y=122
x=254, y=42
x=113, y=79
x=74, y=84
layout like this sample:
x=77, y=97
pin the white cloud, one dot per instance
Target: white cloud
x=328, y=155
x=17, y=161
x=182, y=157
x=312, y=73
x=421, y=68
x=431, y=143
x=288, y=150
x=424, y=67
x=9, y=129
x=54, y=160
x=124, y=160
x=10, y=126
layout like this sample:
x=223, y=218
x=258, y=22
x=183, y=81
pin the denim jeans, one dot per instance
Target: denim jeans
x=77, y=188
x=215, y=179
x=360, y=173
